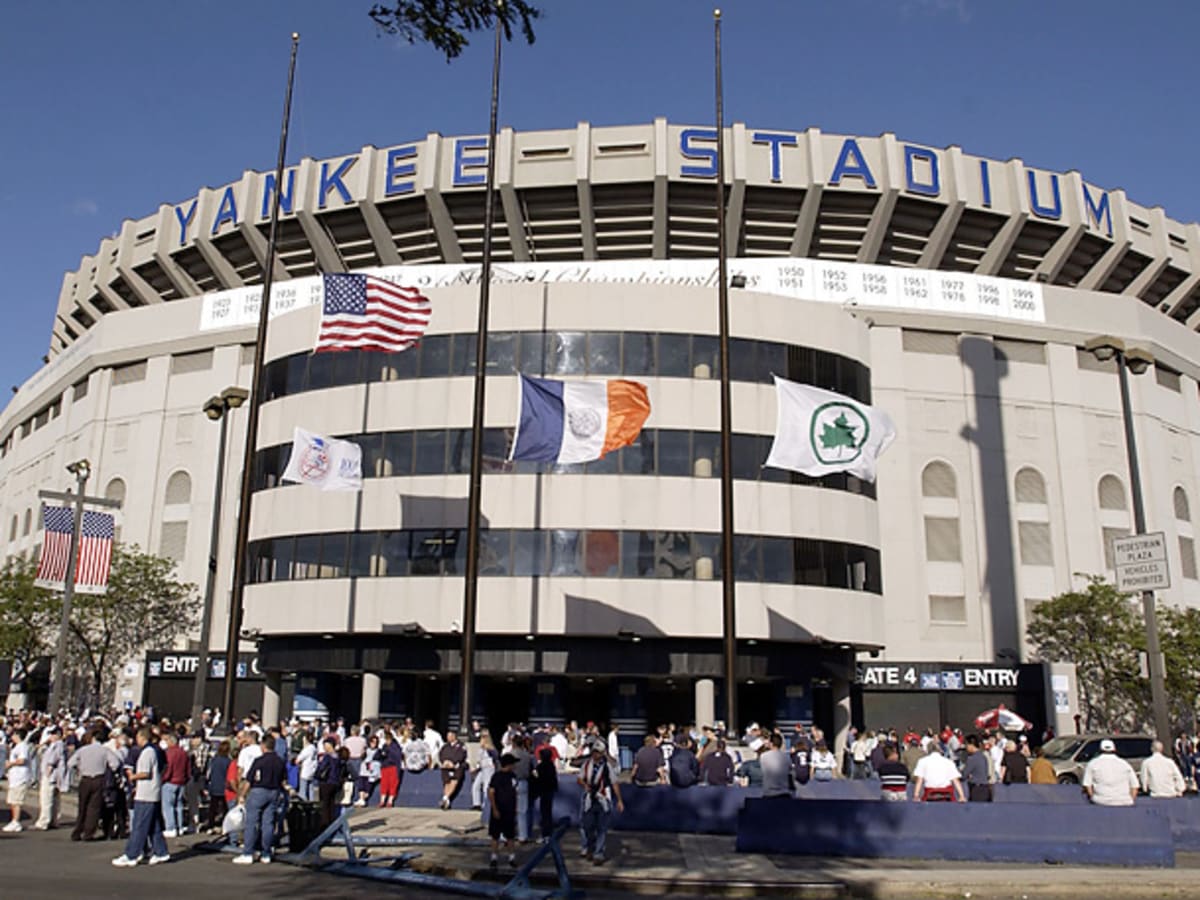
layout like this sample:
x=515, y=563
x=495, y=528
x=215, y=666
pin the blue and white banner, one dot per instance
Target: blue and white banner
x=327, y=463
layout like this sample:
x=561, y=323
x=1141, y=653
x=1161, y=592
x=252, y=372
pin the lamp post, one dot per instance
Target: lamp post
x=1138, y=361
x=216, y=409
x=82, y=470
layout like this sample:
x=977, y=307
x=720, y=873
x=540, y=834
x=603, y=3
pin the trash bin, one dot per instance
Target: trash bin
x=303, y=823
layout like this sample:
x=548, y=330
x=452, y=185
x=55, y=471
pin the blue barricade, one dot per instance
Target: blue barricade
x=1184, y=816
x=1058, y=833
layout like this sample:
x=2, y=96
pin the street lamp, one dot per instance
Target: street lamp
x=216, y=409
x=1138, y=361
x=82, y=470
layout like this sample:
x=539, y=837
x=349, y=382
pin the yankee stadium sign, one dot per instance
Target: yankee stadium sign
x=784, y=158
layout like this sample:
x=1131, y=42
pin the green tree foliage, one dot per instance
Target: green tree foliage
x=145, y=607
x=1179, y=636
x=29, y=615
x=445, y=24
x=1099, y=630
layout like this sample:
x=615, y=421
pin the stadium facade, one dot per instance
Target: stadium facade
x=953, y=291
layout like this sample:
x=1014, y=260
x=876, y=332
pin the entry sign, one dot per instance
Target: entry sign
x=1141, y=562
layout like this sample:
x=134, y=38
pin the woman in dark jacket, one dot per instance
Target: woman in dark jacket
x=545, y=784
x=218, y=769
x=391, y=772
x=331, y=775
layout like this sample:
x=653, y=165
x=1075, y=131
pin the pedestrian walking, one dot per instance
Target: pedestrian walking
x=52, y=778
x=600, y=793
x=264, y=783
x=94, y=764
x=147, y=826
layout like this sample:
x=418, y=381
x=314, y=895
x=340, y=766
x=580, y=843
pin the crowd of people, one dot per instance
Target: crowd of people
x=144, y=779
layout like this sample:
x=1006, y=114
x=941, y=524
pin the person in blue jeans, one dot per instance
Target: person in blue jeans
x=265, y=781
x=146, y=777
x=600, y=792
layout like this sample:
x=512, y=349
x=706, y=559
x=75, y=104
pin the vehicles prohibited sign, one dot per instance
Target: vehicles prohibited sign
x=1141, y=562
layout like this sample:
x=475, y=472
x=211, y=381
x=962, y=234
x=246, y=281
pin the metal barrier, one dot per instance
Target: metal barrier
x=361, y=863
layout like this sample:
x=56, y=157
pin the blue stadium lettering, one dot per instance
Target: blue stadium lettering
x=912, y=184
x=184, y=221
x=775, y=140
x=1098, y=213
x=686, y=137
x=227, y=212
x=397, y=170
x=462, y=162
x=1053, y=211
x=851, y=164
x=330, y=182
x=285, y=197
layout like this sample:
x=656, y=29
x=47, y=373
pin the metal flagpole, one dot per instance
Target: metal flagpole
x=81, y=470
x=728, y=606
x=471, y=586
x=243, y=530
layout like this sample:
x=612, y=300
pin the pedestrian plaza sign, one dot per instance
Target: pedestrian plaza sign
x=1141, y=562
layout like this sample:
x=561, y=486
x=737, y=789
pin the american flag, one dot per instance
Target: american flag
x=366, y=313
x=95, y=550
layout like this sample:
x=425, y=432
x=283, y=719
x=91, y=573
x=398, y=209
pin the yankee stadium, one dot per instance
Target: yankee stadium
x=959, y=295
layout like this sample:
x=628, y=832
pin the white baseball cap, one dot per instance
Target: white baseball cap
x=1107, y=746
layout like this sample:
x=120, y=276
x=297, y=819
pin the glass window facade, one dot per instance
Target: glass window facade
x=596, y=553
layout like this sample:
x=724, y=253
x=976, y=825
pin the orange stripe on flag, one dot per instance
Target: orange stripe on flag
x=628, y=409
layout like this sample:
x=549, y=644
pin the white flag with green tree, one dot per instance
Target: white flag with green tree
x=818, y=432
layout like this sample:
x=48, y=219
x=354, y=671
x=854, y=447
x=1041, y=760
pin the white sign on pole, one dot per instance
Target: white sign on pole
x=1141, y=562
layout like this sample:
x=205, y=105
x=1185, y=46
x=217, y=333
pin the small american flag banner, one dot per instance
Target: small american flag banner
x=361, y=312
x=95, y=550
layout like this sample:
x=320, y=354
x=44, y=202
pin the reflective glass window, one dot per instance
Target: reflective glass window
x=569, y=353
x=674, y=356
x=604, y=353
x=602, y=553
x=501, y=352
x=462, y=354
x=564, y=552
x=393, y=553
x=637, y=554
x=674, y=452
x=333, y=555
x=777, y=560
x=307, y=560
x=427, y=550
x=430, y=453
x=533, y=353
x=320, y=371
x=638, y=353
x=282, y=551
x=705, y=356
x=529, y=552
x=460, y=451
x=398, y=452
x=347, y=367
x=672, y=554
x=638, y=457
x=707, y=547
x=747, y=564
x=364, y=545
x=401, y=366
x=435, y=356
x=495, y=552
x=742, y=363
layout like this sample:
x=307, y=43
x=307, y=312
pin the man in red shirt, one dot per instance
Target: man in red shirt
x=175, y=779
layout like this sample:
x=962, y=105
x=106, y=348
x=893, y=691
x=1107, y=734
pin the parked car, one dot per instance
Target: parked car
x=1071, y=753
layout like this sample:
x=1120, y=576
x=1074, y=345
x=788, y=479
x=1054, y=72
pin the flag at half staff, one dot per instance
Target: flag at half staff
x=361, y=312
x=95, y=550
x=818, y=432
x=327, y=463
x=577, y=421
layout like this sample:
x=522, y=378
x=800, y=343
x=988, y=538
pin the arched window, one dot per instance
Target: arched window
x=179, y=489
x=1187, y=538
x=938, y=481
x=176, y=512
x=1111, y=493
x=1114, y=515
x=1182, y=507
x=1033, y=519
x=115, y=490
x=943, y=544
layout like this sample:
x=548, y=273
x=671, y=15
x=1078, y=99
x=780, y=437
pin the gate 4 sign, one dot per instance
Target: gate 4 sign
x=1141, y=562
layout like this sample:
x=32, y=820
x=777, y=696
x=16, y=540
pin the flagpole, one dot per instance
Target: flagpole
x=728, y=605
x=81, y=470
x=233, y=635
x=471, y=586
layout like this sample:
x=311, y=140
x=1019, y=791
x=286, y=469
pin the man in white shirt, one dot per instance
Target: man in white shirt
x=937, y=778
x=614, y=750
x=1160, y=776
x=433, y=738
x=251, y=750
x=1108, y=779
x=19, y=767
x=558, y=741
x=52, y=769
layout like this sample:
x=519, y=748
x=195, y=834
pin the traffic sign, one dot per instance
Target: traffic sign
x=1141, y=562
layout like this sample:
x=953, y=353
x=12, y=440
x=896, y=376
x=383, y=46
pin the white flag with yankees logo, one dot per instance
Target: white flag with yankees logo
x=327, y=463
x=818, y=432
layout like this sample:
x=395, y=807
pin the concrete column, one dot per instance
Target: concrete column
x=841, y=716
x=371, y=686
x=706, y=701
x=272, y=687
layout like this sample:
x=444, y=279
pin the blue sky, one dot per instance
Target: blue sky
x=111, y=109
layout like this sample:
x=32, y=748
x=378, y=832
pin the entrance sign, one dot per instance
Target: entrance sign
x=1141, y=562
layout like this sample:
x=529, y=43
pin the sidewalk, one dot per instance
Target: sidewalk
x=691, y=865
x=707, y=865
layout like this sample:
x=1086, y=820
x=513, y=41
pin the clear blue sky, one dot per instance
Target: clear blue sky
x=112, y=108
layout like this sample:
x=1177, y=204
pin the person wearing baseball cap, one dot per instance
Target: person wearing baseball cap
x=1108, y=780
